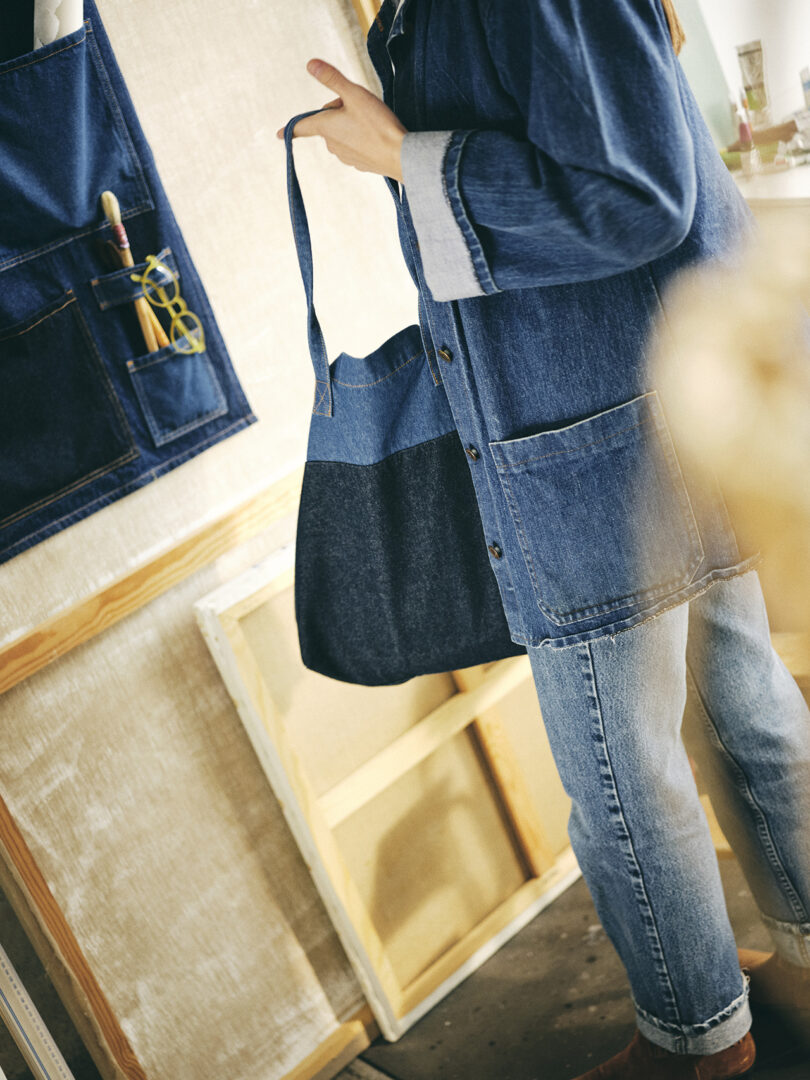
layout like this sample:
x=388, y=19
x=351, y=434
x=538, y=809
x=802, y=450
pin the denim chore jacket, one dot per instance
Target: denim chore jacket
x=556, y=173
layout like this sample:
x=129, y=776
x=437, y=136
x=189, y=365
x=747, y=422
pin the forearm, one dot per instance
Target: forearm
x=492, y=212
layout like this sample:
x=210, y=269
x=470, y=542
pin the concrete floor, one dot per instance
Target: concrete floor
x=38, y=984
x=552, y=1003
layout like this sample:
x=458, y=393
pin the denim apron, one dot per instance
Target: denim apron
x=592, y=521
x=88, y=414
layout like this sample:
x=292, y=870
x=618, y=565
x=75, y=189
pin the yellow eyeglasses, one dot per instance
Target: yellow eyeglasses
x=161, y=289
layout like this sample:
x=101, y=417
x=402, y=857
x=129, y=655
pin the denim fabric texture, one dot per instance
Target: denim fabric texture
x=392, y=576
x=89, y=415
x=620, y=713
x=557, y=173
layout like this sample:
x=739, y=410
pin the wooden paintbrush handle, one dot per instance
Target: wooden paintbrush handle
x=143, y=310
x=150, y=324
x=160, y=333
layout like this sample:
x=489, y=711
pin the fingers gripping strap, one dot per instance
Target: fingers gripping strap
x=303, y=247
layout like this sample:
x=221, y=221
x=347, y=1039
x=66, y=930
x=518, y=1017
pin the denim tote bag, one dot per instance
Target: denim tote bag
x=392, y=575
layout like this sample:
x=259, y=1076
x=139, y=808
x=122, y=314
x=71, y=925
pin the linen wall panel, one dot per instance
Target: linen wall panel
x=135, y=785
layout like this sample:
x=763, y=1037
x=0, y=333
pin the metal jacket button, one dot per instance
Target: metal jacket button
x=473, y=453
x=445, y=354
x=495, y=550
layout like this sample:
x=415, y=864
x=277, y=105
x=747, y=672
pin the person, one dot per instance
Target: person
x=555, y=173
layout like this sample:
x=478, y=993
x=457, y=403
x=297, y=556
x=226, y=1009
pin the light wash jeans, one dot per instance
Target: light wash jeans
x=620, y=713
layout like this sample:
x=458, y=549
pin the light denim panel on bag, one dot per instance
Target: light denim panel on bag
x=392, y=575
x=89, y=414
x=548, y=204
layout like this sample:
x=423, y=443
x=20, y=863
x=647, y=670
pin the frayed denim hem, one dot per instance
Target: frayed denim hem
x=710, y=1037
x=688, y=592
x=792, y=940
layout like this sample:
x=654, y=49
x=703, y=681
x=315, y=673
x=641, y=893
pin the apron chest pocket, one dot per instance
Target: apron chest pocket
x=177, y=390
x=601, y=511
x=63, y=141
x=63, y=424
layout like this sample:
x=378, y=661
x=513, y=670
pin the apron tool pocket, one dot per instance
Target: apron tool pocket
x=177, y=392
x=63, y=141
x=601, y=511
x=117, y=287
x=63, y=424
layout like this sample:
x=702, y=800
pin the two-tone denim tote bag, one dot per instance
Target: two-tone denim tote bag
x=392, y=576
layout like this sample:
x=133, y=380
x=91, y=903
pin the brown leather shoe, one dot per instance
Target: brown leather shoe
x=780, y=991
x=644, y=1060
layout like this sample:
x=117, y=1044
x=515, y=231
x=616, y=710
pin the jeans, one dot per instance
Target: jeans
x=621, y=712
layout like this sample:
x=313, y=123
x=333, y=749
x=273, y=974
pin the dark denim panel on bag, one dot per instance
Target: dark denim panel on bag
x=392, y=575
x=556, y=202
x=90, y=415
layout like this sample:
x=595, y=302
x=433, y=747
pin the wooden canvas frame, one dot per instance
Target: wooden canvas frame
x=312, y=819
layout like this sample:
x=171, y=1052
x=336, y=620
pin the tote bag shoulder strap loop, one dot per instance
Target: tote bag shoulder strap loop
x=303, y=246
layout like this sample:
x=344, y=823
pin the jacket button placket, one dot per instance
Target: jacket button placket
x=462, y=398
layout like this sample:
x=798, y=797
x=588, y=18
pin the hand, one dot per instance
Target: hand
x=360, y=129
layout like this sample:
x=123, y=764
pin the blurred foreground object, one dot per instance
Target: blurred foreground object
x=732, y=363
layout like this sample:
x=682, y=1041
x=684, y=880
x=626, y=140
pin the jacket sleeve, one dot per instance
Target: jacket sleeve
x=601, y=180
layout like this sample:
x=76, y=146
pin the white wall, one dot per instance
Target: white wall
x=705, y=74
x=783, y=26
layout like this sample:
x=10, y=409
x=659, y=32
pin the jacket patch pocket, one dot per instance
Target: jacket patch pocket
x=63, y=424
x=177, y=391
x=601, y=511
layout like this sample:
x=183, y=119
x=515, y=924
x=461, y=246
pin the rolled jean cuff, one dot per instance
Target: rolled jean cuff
x=710, y=1037
x=792, y=940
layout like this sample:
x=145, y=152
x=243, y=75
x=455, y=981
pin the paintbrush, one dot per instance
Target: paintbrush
x=150, y=327
x=110, y=255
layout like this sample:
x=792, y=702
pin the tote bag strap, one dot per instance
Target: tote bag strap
x=303, y=246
